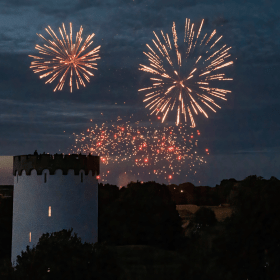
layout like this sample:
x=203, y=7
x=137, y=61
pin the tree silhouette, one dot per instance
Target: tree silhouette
x=204, y=217
x=58, y=255
x=144, y=214
x=107, y=195
x=250, y=245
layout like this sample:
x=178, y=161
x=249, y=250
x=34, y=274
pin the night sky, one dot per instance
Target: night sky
x=242, y=137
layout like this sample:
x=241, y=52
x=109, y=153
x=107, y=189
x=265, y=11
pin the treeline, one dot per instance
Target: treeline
x=187, y=193
x=141, y=222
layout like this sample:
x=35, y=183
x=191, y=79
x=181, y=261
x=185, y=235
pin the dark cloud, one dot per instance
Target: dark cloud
x=160, y=4
x=20, y=3
x=218, y=21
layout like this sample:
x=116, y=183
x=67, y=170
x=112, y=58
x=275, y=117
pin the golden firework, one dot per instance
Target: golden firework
x=185, y=80
x=61, y=57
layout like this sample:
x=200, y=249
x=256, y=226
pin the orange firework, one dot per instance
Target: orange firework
x=141, y=148
x=62, y=57
x=185, y=80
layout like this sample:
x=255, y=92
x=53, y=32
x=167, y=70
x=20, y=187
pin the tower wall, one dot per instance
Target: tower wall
x=73, y=199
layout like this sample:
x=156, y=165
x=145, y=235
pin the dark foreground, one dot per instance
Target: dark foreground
x=141, y=237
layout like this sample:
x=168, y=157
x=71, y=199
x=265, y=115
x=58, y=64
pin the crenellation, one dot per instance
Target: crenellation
x=39, y=162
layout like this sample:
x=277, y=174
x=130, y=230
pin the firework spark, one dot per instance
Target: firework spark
x=159, y=152
x=61, y=57
x=183, y=80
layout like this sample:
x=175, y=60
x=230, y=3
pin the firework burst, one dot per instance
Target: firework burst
x=185, y=80
x=144, y=150
x=61, y=57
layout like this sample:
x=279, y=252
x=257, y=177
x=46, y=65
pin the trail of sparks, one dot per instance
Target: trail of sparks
x=160, y=152
x=61, y=57
x=178, y=84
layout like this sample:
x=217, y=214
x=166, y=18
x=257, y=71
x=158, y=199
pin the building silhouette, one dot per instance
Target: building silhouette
x=51, y=193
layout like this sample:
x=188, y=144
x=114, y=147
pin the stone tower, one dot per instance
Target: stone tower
x=51, y=193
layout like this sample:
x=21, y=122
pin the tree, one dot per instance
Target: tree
x=59, y=255
x=182, y=194
x=205, y=217
x=202, y=195
x=107, y=195
x=6, y=270
x=201, y=231
x=224, y=189
x=144, y=214
x=250, y=245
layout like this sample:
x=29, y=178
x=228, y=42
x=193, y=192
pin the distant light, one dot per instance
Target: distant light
x=98, y=177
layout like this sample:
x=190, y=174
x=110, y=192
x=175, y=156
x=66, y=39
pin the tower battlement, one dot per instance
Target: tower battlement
x=39, y=162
